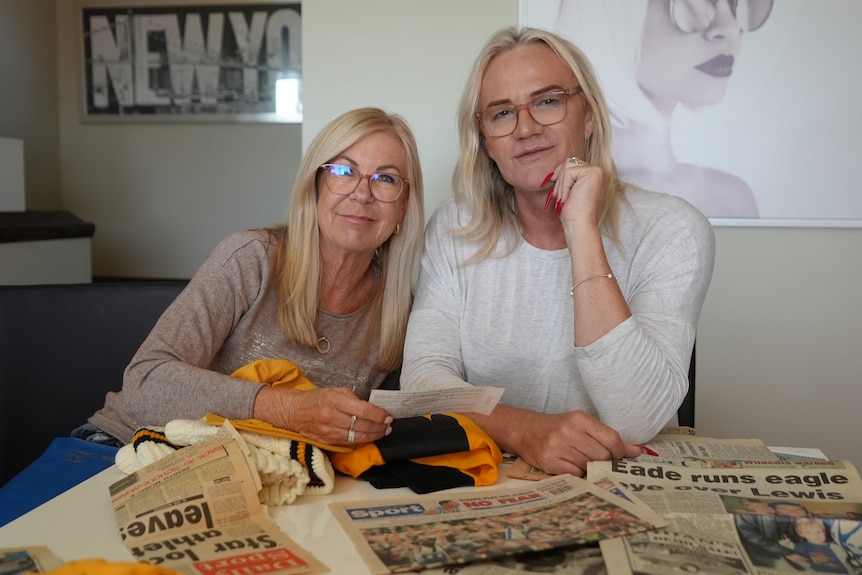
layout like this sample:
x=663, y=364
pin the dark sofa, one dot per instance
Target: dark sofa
x=62, y=348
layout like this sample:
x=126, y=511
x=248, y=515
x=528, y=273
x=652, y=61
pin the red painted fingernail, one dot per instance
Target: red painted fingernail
x=547, y=179
x=548, y=201
x=559, y=206
x=648, y=451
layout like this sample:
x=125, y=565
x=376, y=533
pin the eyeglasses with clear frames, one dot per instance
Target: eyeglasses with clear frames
x=546, y=109
x=342, y=180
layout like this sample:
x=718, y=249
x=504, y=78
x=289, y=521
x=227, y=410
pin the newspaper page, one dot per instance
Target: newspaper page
x=763, y=518
x=673, y=551
x=680, y=430
x=798, y=453
x=427, y=531
x=675, y=446
x=693, y=449
x=20, y=560
x=197, y=511
x=568, y=560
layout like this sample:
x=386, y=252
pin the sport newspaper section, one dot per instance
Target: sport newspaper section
x=428, y=531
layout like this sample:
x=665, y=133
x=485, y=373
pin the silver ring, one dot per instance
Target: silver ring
x=351, y=434
x=575, y=160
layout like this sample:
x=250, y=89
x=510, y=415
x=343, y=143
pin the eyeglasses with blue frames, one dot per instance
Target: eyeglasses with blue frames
x=697, y=15
x=546, y=109
x=342, y=180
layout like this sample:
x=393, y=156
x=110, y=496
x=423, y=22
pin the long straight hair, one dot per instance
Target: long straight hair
x=476, y=180
x=298, y=264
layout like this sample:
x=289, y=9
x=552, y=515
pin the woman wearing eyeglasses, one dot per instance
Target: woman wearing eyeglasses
x=548, y=276
x=330, y=290
x=653, y=57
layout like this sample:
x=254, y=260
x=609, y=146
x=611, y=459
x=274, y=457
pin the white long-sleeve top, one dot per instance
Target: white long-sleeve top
x=508, y=321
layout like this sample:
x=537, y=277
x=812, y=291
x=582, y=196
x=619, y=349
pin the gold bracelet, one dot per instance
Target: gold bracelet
x=609, y=276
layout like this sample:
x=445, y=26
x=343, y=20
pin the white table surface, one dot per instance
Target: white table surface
x=80, y=523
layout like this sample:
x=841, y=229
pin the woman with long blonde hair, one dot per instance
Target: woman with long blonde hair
x=330, y=290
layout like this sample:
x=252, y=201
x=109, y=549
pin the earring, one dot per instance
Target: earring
x=397, y=229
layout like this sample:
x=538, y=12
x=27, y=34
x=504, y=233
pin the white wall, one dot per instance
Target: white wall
x=779, y=339
x=418, y=54
x=28, y=94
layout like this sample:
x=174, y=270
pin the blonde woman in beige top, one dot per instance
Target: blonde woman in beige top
x=329, y=290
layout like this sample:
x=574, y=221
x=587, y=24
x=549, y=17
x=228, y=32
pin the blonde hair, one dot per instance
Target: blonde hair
x=476, y=180
x=298, y=265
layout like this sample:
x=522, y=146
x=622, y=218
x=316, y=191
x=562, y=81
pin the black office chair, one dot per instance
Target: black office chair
x=685, y=413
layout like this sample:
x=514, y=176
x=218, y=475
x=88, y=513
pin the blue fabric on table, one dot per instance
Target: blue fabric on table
x=66, y=463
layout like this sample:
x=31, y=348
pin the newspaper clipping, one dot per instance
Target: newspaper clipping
x=197, y=511
x=20, y=560
x=428, y=531
x=764, y=518
x=675, y=445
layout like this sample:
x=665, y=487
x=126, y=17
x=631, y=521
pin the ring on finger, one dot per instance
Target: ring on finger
x=575, y=160
x=351, y=434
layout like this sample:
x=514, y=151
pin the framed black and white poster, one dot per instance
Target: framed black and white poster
x=746, y=108
x=192, y=62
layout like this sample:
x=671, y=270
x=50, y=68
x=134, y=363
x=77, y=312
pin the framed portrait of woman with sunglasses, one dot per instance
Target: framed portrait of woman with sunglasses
x=716, y=101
